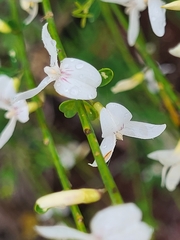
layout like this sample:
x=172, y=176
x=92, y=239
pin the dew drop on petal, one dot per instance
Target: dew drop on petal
x=74, y=91
x=79, y=66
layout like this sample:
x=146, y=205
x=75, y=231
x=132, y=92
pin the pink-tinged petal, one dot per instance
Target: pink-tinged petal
x=120, y=114
x=173, y=177
x=136, y=231
x=50, y=45
x=142, y=130
x=31, y=93
x=133, y=29
x=62, y=232
x=81, y=71
x=114, y=219
x=7, y=90
x=7, y=131
x=165, y=157
x=107, y=147
x=157, y=17
x=22, y=112
x=75, y=89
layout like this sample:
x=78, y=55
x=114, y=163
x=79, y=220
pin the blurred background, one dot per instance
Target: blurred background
x=26, y=167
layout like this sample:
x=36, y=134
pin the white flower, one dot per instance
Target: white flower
x=120, y=222
x=31, y=7
x=74, y=78
x=17, y=111
x=175, y=51
x=133, y=7
x=115, y=122
x=171, y=160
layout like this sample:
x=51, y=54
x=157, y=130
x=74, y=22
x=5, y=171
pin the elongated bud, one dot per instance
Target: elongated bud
x=129, y=83
x=33, y=106
x=4, y=27
x=172, y=6
x=67, y=198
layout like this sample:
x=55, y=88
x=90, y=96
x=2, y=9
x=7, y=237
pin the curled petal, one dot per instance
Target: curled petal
x=175, y=51
x=133, y=29
x=7, y=132
x=142, y=130
x=32, y=10
x=157, y=16
x=107, y=147
x=115, y=219
x=173, y=177
x=62, y=232
x=31, y=93
x=50, y=45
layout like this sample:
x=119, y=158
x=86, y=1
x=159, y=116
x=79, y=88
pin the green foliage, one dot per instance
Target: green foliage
x=68, y=108
x=107, y=76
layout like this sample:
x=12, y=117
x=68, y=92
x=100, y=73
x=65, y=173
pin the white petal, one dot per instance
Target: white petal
x=33, y=10
x=157, y=16
x=7, y=132
x=107, y=147
x=163, y=175
x=173, y=177
x=22, y=112
x=121, y=2
x=133, y=29
x=142, y=130
x=75, y=89
x=114, y=218
x=165, y=157
x=136, y=231
x=62, y=232
x=50, y=45
x=31, y=93
x=81, y=71
x=7, y=90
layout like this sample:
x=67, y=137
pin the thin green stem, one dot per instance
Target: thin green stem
x=106, y=176
x=48, y=140
x=52, y=28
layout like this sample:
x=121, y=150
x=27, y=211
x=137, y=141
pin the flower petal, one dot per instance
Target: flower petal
x=114, y=219
x=142, y=130
x=22, y=112
x=50, y=45
x=173, y=177
x=62, y=232
x=7, y=131
x=157, y=17
x=31, y=93
x=133, y=29
x=33, y=10
x=163, y=175
x=175, y=51
x=107, y=147
x=165, y=157
x=81, y=71
x=7, y=90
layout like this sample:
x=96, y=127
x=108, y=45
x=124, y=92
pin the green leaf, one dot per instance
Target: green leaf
x=91, y=111
x=68, y=108
x=39, y=210
x=107, y=75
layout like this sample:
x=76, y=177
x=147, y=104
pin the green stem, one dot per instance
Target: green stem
x=40, y=115
x=52, y=28
x=106, y=176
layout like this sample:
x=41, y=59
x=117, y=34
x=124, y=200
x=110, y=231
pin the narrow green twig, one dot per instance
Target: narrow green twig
x=48, y=140
x=106, y=176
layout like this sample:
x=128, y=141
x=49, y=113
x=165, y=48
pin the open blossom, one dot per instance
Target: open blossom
x=115, y=122
x=74, y=78
x=118, y=222
x=17, y=111
x=31, y=7
x=133, y=7
x=171, y=160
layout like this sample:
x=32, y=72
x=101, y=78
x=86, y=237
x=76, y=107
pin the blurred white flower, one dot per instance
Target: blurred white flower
x=74, y=78
x=17, y=111
x=175, y=51
x=133, y=7
x=171, y=160
x=120, y=222
x=31, y=7
x=115, y=122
